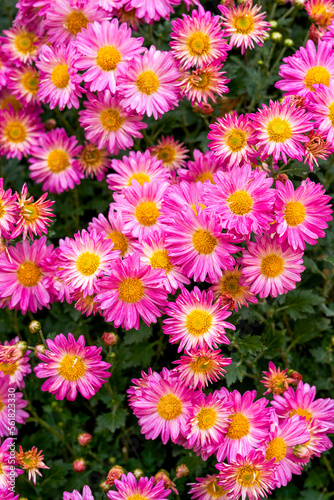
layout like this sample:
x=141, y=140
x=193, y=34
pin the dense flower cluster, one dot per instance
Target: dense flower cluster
x=191, y=239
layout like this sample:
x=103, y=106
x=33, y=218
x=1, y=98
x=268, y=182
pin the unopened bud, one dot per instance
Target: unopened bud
x=84, y=438
x=182, y=470
x=273, y=23
x=79, y=465
x=297, y=377
x=314, y=34
x=112, y=460
x=282, y=178
x=115, y=473
x=205, y=109
x=34, y=326
x=39, y=349
x=276, y=36
x=288, y=42
x=109, y=338
x=50, y=124
x=104, y=486
x=163, y=475
x=138, y=473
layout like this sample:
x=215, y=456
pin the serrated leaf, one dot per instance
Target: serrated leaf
x=250, y=344
x=112, y=420
x=137, y=336
x=235, y=371
x=299, y=302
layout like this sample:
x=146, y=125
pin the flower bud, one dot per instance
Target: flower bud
x=79, y=465
x=288, y=42
x=50, y=124
x=282, y=178
x=104, y=486
x=138, y=473
x=297, y=377
x=163, y=475
x=34, y=326
x=115, y=472
x=299, y=3
x=109, y=338
x=182, y=470
x=39, y=349
x=314, y=34
x=276, y=36
x=13, y=352
x=84, y=438
x=205, y=108
x=273, y=23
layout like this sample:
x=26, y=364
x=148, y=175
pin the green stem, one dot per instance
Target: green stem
x=287, y=13
x=43, y=339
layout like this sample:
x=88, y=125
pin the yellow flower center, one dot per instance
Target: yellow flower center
x=169, y=407
x=230, y=285
x=29, y=274
x=87, y=263
x=111, y=119
x=272, y=265
x=321, y=15
x=240, y=202
x=198, y=44
x=301, y=412
x=8, y=368
x=30, y=82
x=15, y=103
x=247, y=476
x=161, y=260
x=60, y=76
x=331, y=113
x=108, y=58
x=147, y=213
x=71, y=367
x=31, y=213
x=201, y=365
x=2, y=209
x=276, y=449
x=294, y=213
x=1, y=408
x=131, y=290
x=316, y=75
x=139, y=177
x=198, y=322
x=91, y=156
x=204, y=177
x=167, y=154
x=24, y=42
x=203, y=242
x=201, y=81
x=147, y=82
x=58, y=161
x=206, y=418
x=243, y=24
x=15, y=132
x=136, y=497
x=75, y=22
x=236, y=140
x=279, y=130
x=239, y=427
x=120, y=242
x=214, y=490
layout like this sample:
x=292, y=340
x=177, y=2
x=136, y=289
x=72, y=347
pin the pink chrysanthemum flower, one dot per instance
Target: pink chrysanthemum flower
x=141, y=167
x=201, y=169
x=303, y=403
x=128, y=16
x=19, y=132
x=321, y=105
x=9, y=101
x=128, y=487
x=163, y=408
x=244, y=24
x=31, y=461
x=320, y=12
x=18, y=369
x=207, y=488
x=199, y=367
x=196, y=243
x=23, y=82
x=308, y=66
x=198, y=40
x=53, y=161
x=107, y=123
x=301, y=214
x=7, y=466
x=70, y=366
x=281, y=130
x=152, y=10
x=141, y=206
x=317, y=148
x=151, y=84
x=276, y=380
x=106, y=50
x=5, y=68
x=60, y=81
x=113, y=228
x=270, y=267
x=85, y=303
x=154, y=253
x=93, y=162
x=173, y=154
x=84, y=259
x=65, y=19
x=16, y=415
x=203, y=83
x=20, y=45
x=8, y=211
x=132, y=291
x=229, y=287
x=195, y=321
x=208, y=422
x=250, y=475
x=316, y=445
x=25, y=278
x=242, y=199
x=279, y=445
x=7, y=494
x=33, y=217
x=233, y=139
x=75, y=495
x=178, y=196
x=110, y=5
x=249, y=425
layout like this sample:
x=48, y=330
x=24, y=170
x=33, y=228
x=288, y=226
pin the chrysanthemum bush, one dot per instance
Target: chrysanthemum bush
x=166, y=260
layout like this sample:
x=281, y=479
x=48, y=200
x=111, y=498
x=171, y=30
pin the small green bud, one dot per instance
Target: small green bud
x=34, y=326
x=273, y=23
x=276, y=36
x=288, y=42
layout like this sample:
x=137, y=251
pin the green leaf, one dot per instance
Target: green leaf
x=250, y=344
x=137, y=336
x=235, y=371
x=299, y=302
x=330, y=259
x=112, y=420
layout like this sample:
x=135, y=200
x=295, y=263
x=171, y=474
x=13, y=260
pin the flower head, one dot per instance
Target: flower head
x=8, y=211
x=229, y=287
x=93, y=161
x=6, y=468
x=201, y=169
x=24, y=82
x=207, y=488
x=10, y=400
x=20, y=45
x=128, y=487
x=276, y=380
x=17, y=367
x=320, y=12
x=75, y=495
x=31, y=461
x=172, y=153
x=203, y=83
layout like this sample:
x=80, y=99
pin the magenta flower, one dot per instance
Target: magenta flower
x=18, y=369
x=8, y=213
x=23, y=82
x=201, y=169
x=6, y=468
x=321, y=105
x=70, y=367
x=128, y=487
x=16, y=415
x=75, y=495
x=207, y=488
